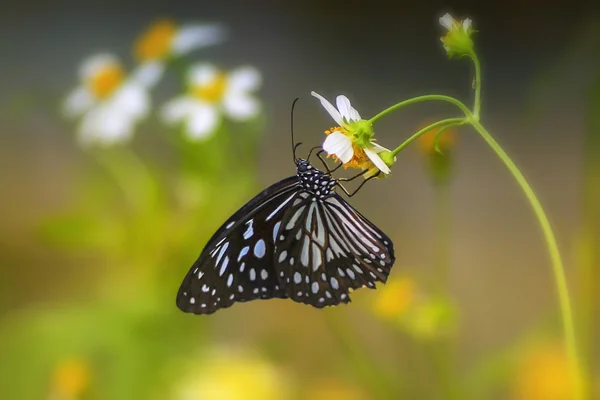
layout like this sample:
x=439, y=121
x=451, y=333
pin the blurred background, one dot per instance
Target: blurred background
x=96, y=235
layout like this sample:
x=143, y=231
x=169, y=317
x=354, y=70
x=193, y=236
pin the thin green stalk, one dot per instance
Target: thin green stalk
x=477, y=103
x=442, y=123
x=442, y=235
x=379, y=383
x=130, y=174
x=420, y=99
x=553, y=251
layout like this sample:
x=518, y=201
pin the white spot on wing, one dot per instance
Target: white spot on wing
x=250, y=231
x=259, y=248
x=243, y=252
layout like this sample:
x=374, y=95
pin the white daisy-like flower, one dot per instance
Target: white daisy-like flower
x=344, y=141
x=108, y=102
x=164, y=40
x=213, y=93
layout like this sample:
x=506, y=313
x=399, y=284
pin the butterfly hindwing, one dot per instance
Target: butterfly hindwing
x=325, y=248
x=237, y=263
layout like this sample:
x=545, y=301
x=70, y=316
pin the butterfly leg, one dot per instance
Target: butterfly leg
x=359, y=186
x=310, y=152
x=329, y=171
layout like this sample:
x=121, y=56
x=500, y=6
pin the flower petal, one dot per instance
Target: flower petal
x=240, y=107
x=105, y=125
x=339, y=144
x=348, y=112
x=448, y=22
x=202, y=74
x=466, y=24
x=375, y=159
x=335, y=114
x=148, y=74
x=245, y=79
x=191, y=37
x=202, y=122
x=178, y=109
x=378, y=148
x=93, y=64
x=77, y=102
x=131, y=98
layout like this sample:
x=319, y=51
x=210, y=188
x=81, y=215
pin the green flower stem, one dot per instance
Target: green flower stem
x=443, y=234
x=554, y=253
x=420, y=99
x=130, y=174
x=442, y=123
x=380, y=382
x=477, y=105
x=557, y=264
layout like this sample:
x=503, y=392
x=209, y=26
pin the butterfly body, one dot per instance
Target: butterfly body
x=296, y=239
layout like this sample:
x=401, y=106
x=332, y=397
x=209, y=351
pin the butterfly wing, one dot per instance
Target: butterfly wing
x=325, y=247
x=237, y=263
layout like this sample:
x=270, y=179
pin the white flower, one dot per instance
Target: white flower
x=109, y=103
x=457, y=41
x=212, y=93
x=339, y=141
x=164, y=40
x=448, y=22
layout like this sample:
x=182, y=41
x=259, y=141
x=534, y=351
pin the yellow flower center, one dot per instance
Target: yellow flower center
x=155, y=43
x=71, y=378
x=212, y=91
x=395, y=298
x=359, y=159
x=103, y=83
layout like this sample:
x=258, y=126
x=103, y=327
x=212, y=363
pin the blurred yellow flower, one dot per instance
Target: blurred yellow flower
x=212, y=93
x=543, y=373
x=432, y=318
x=439, y=164
x=446, y=141
x=234, y=374
x=402, y=302
x=335, y=390
x=70, y=380
x=108, y=102
x=164, y=40
x=394, y=298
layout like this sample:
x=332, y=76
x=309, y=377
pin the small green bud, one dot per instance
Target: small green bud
x=457, y=41
x=388, y=158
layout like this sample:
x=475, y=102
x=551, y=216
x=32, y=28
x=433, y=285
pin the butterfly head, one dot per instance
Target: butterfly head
x=314, y=180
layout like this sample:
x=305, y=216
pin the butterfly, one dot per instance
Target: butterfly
x=297, y=239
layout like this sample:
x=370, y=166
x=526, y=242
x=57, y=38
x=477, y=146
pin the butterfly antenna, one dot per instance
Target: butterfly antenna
x=294, y=145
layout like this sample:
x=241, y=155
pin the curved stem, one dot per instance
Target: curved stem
x=477, y=105
x=557, y=264
x=444, y=122
x=419, y=99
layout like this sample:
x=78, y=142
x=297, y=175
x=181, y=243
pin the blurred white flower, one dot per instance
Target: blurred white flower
x=351, y=140
x=164, y=40
x=211, y=93
x=108, y=102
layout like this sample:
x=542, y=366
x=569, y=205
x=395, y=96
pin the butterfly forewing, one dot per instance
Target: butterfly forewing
x=237, y=263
